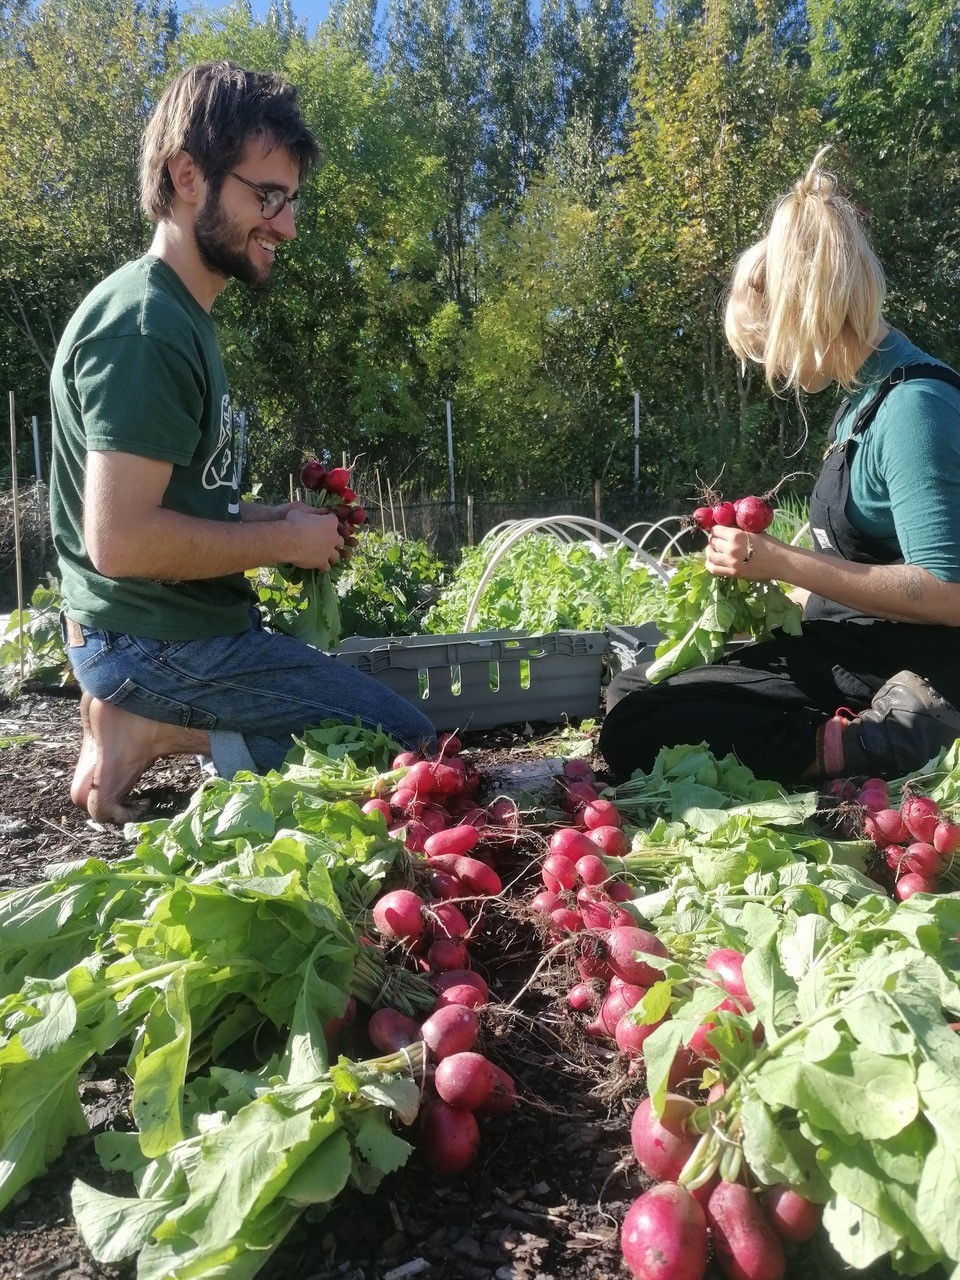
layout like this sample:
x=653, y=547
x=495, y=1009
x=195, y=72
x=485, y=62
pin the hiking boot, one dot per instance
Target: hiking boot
x=906, y=725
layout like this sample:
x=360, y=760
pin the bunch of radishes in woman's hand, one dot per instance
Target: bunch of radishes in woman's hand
x=916, y=840
x=331, y=490
x=752, y=514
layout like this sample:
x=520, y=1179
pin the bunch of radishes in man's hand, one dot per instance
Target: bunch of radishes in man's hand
x=751, y=514
x=330, y=489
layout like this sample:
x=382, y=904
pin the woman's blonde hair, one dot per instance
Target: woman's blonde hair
x=812, y=288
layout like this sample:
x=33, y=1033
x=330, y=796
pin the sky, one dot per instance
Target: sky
x=310, y=11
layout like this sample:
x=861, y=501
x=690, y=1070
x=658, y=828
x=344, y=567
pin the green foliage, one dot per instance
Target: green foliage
x=387, y=585
x=543, y=585
x=41, y=644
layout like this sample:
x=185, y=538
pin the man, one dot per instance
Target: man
x=159, y=621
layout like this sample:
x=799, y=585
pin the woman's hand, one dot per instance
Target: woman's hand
x=732, y=553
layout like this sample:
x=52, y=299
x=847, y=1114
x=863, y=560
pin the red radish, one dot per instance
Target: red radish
x=504, y=812
x=453, y=1028
x=333, y=1026
x=612, y=840
x=558, y=872
x=727, y=964
x=403, y=759
x=456, y=977
x=703, y=518
x=565, y=920
x=886, y=826
x=579, y=794
x=571, y=843
x=664, y=1235
x=601, y=813
x=448, y=744
x=450, y=1137
x=578, y=771
x=631, y=1035
x=448, y=779
x=464, y=1080
x=912, y=883
x=698, y=1042
x=620, y=891
x=434, y=820
x=420, y=779
x=390, y=1030
x=922, y=859
x=754, y=515
x=445, y=954
x=378, y=806
x=406, y=801
x=313, y=475
x=478, y=877
x=592, y=869
x=893, y=856
x=875, y=784
x=792, y=1217
x=474, y=817
x=946, y=837
x=686, y=1066
x=399, y=915
x=598, y=911
x=546, y=901
x=448, y=921
x=663, y=1146
x=746, y=1246
x=591, y=958
x=337, y=479
x=583, y=998
x=873, y=801
x=502, y=1097
x=626, y=947
x=619, y=1002
x=443, y=884
x=921, y=815
x=416, y=835
x=463, y=993
x=724, y=513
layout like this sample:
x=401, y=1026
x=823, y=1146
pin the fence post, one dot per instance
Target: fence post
x=383, y=514
x=469, y=519
x=597, y=515
x=453, y=495
x=18, y=561
x=636, y=443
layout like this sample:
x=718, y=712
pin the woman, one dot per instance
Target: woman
x=872, y=684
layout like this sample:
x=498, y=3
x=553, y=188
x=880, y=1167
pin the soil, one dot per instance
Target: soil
x=545, y=1198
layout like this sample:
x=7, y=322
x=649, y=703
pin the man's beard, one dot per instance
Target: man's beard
x=217, y=240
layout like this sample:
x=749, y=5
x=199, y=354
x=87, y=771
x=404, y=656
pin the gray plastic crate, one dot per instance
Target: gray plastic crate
x=483, y=679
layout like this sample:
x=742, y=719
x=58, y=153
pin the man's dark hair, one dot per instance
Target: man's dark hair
x=212, y=111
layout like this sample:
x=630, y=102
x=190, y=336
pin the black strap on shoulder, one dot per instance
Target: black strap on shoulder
x=906, y=373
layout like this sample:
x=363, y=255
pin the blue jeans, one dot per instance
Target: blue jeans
x=251, y=692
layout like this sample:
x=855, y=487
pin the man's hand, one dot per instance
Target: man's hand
x=319, y=543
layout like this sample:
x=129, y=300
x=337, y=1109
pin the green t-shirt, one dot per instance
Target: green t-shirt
x=905, y=475
x=138, y=370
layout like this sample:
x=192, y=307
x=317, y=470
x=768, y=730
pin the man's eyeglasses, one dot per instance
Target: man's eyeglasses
x=272, y=200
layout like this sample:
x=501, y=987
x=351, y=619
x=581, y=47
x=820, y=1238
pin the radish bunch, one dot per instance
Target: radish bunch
x=916, y=841
x=330, y=488
x=752, y=514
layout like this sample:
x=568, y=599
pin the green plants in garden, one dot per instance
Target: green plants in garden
x=44, y=657
x=543, y=585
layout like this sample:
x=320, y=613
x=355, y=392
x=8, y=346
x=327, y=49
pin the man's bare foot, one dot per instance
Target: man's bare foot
x=86, y=766
x=125, y=746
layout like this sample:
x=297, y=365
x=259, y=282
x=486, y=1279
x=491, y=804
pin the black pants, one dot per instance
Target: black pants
x=765, y=702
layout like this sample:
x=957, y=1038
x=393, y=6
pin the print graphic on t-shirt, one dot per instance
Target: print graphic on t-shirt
x=823, y=539
x=219, y=468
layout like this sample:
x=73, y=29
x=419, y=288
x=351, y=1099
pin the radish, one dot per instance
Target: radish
x=464, y=1080
x=663, y=1145
x=598, y=911
x=591, y=958
x=578, y=771
x=571, y=844
x=558, y=872
x=631, y=1036
x=618, y=1002
x=453, y=1028
x=792, y=1217
x=461, y=993
x=546, y=901
x=703, y=518
x=420, y=778
x=474, y=816
x=565, y=920
x=504, y=813
x=416, y=835
x=378, y=806
x=455, y=840
x=754, y=515
x=946, y=837
x=886, y=826
x=450, y=1137
x=445, y=954
x=389, y=1030
x=583, y=998
x=478, y=877
x=601, y=813
x=746, y=1245
x=458, y=977
x=592, y=869
x=399, y=915
x=407, y=802
x=502, y=1097
x=664, y=1235
x=727, y=964
x=620, y=891
x=698, y=1042
x=448, y=744
x=686, y=1066
x=921, y=815
x=404, y=759
x=912, y=883
x=579, y=795
x=448, y=921
x=922, y=859
x=444, y=885
x=626, y=945
x=612, y=840
x=724, y=513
